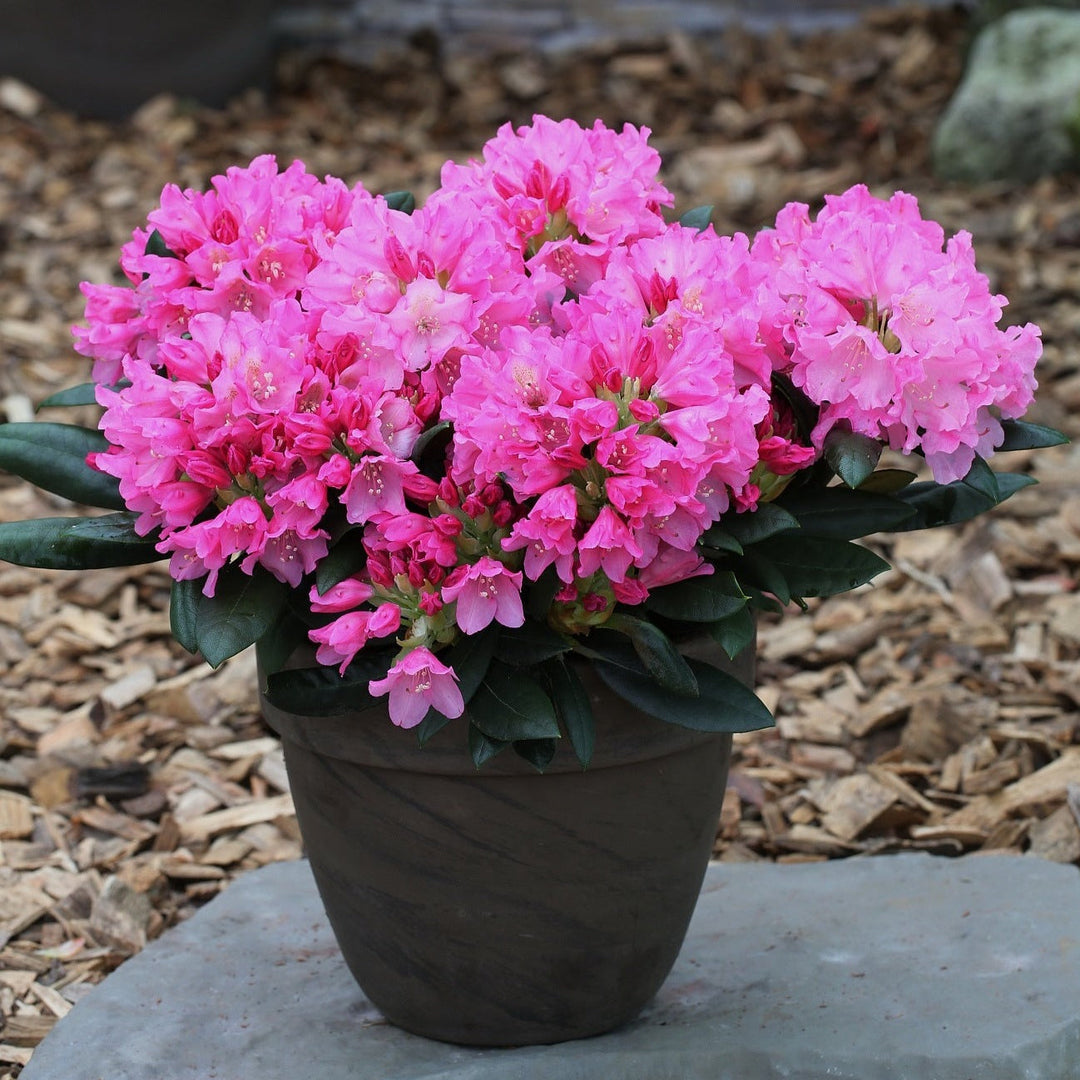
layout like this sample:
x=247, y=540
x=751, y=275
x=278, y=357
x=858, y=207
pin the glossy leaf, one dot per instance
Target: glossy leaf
x=767, y=520
x=242, y=609
x=698, y=599
x=470, y=658
x=852, y=456
x=735, y=633
x=762, y=571
x=345, y=558
x=887, y=481
x=983, y=479
x=1022, y=435
x=183, y=612
x=949, y=504
x=697, y=218
x=76, y=543
x=482, y=747
x=511, y=705
x=572, y=706
x=431, y=725
x=83, y=394
x=530, y=644
x=718, y=539
x=537, y=752
x=321, y=691
x=538, y=595
x=723, y=703
x=440, y=432
x=813, y=566
x=277, y=645
x=838, y=513
x=155, y=245
x=657, y=653
x=53, y=456
x=404, y=201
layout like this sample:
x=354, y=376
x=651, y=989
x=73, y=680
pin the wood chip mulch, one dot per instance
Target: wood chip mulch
x=937, y=710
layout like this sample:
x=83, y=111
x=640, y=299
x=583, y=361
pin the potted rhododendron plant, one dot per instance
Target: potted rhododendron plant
x=521, y=463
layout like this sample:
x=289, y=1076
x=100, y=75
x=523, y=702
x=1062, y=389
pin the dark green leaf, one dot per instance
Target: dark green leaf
x=528, y=645
x=1022, y=435
x=657, y=653
x=242, y=609
x=852, y=456
x=804, y=410
x=431, y=725
x=440, y=431
x=401, y=200
x=321, y=691
x=698, y=599
x=734, y=633
x=718, y=539
x=814, y=566
x=345, y=558
x=763, y=572
x=539, y=594
x=511, y=705
x=887, y=481
x=759, y=601
x=724, y=703
x=767, y=520
x=1011, y=483
x=839, y=513
x=183, y=618
x=279, y=643
x=470, y=657
x=572, y=706
x=482, y=747
x=75, y=543
x=83, y=394
x=53, y=456
x=983, y=479
x=697, y=218
x=949, y=504
x=155, y=245
x=537, y=752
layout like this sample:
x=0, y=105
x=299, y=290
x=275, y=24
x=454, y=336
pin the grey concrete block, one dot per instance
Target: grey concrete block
x=894, y=968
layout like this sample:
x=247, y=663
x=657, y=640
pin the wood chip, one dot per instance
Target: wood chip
x=14, y=1055
x=853, y=803
x=16, y=816
x=236, y=817
x=1047, y=785
x=55, y=1002
x=25, y=1030
x=1057, y=837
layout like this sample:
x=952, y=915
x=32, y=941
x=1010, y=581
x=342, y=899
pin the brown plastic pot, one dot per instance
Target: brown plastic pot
x=502, y=907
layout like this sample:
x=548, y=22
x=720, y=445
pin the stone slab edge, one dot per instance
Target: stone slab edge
x=894, y=967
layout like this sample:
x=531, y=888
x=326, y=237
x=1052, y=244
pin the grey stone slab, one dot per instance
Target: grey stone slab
x=888, y=968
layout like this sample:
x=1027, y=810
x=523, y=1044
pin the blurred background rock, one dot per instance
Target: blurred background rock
x=108, y=61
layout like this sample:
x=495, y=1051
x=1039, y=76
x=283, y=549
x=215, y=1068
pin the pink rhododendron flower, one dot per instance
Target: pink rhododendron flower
x=341, y=640
x=484, y=592
x=893, y=332
x=534, y=373
x=417, y=682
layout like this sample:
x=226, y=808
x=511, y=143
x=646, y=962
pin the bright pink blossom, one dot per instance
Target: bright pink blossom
x=417, y=682
x=484, y=591
x=341, y=640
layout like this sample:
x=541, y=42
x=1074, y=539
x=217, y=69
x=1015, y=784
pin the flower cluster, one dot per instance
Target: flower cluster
x=534, y=377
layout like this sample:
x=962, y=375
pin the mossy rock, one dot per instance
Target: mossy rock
x=1016, y=114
